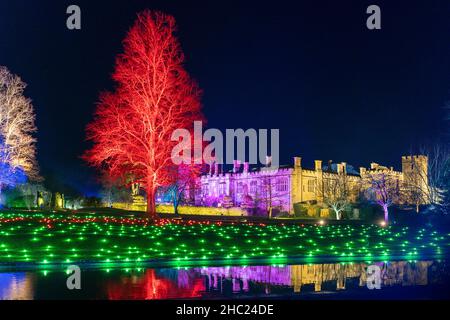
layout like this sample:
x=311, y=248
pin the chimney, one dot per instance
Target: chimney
x=330, y=165
x=246, y=167
x=318, y=165
x=236, y=166
x=362, y=171
x=297, y=162
x=268, y=161
x=373, y=165
x=340, y=169
x=344, y=167
x=216, y=169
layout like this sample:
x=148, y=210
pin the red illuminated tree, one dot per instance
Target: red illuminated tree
x=132, y=128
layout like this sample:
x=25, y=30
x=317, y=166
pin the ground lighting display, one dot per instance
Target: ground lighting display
x=59, y=238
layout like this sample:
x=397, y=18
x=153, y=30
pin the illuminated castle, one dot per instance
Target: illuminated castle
x=266, y=189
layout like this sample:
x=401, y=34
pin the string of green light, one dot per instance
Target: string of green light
x=48, y=238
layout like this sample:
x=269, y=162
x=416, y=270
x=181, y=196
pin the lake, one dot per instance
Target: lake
x=421, y=279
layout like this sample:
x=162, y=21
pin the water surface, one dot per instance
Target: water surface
x=424, y=279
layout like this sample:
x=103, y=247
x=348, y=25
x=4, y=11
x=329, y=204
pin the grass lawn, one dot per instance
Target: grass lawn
x=47, y=238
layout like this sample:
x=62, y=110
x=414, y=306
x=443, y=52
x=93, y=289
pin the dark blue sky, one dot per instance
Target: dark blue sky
x=335, y=89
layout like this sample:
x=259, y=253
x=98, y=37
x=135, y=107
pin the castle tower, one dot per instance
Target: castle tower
x=319, y=180
x=415, y=171
x=296, y=182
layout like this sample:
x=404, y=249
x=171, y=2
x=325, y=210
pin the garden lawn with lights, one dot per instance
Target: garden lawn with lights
x=45, y=238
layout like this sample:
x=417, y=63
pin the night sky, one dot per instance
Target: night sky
x=335, y=89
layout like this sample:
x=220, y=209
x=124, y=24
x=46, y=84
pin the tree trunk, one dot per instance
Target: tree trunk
x=175, y=202
x=151, y=207
x=386, y=214
x=338, y=215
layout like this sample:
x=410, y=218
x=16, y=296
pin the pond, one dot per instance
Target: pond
x=419, y=279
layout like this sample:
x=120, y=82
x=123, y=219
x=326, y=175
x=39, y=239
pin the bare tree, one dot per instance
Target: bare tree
x=30, y=193
x=183, y=182
x=336, y=193
x=270, y=192
x=383, y=189
x=428, y=183
x=447, y=120
x=17, y=125
x=113, y=191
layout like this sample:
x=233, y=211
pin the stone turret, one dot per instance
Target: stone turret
x=297, y=162
x=236, y=165
x=319, y=185
x=246, y=167
x=318, y=165
x=342, y=168
x=268, y=161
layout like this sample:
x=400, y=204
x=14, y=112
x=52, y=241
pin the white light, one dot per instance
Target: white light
x=383, y=223
x=321, y=222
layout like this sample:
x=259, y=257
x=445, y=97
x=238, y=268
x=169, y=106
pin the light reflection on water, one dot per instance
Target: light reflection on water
x=217, y=282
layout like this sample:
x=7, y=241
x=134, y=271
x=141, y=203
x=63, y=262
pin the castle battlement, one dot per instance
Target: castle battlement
x=292, y=184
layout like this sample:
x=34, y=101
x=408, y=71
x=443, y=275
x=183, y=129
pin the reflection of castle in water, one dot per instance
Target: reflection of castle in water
x=16, y=286
x=296, y=276
x=172, y=283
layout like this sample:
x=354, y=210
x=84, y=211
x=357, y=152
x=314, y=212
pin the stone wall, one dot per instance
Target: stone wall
x=193, y=210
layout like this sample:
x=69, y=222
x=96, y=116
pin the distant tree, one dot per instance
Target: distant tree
x=447, y=120
x=10, y=176
x=271, y=191
x=91, y=202
x=336, y=193
x=383, y=189
x=183, y=183
x=17, y=126
x=430, y=184
x=133, y=126
x=30, y=193
x=114, y=191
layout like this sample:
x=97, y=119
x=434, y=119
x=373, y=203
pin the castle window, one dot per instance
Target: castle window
x=311, y=185
x=282, y=185
x=253, y=186
x=221, y=189
x=205, y=189
x=239, y=188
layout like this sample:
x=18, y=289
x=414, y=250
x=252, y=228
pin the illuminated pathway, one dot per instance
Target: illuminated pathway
x=65, y=238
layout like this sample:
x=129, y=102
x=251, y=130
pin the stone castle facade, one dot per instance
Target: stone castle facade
x=279, y=189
